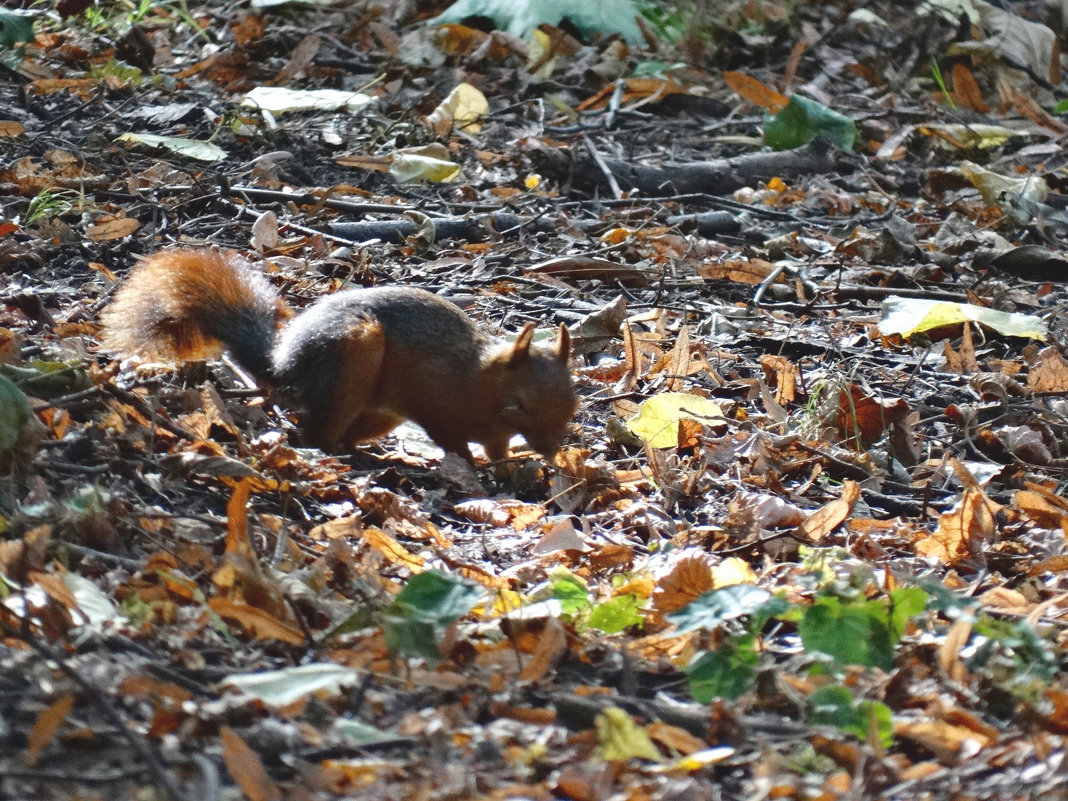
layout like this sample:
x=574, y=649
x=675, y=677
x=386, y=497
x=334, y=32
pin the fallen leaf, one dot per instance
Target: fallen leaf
x=45, y=727
x=245, y=768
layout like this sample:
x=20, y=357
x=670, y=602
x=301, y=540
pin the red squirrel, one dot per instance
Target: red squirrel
x=358, y=362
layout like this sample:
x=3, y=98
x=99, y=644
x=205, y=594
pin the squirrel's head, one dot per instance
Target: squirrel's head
x=538, y=396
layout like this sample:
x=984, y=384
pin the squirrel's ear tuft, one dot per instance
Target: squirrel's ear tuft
x=521, y=348
x=563, y=343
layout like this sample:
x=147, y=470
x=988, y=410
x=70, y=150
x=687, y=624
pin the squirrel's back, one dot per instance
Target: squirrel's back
x=420, y=334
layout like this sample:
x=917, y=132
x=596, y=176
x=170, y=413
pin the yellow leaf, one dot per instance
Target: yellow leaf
x=732, y=570
x=621, y=738
x=657, y=421
x=463, y=109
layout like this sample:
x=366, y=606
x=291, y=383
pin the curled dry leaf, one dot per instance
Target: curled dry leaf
x=964, y=530
x=826, y=519
x=690, y=576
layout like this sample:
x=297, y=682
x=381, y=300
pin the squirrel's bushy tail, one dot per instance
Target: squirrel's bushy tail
x=189, y=304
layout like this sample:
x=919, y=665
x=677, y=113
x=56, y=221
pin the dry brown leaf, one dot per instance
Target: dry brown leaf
x=105, y=229
x=524, y=714
x=10, y=129
x=793, y=63
x=1055, y=564
x=942, y=738
x=45, y=727
x=784, y=374
x=949, y=651
x=675, y=739
x=632, y=360
x=741, y=271
x=1027, y=107
x=755, y=92
x=55, y=588
x=1042, y=505
x=551, y=646
x=215, y=410
x=18, y=558
x=961, y=362
x=679, y=361
x=962, y=531
x=261, y=624
x=966, y=91
x=392, y=550
x=248, y=30
x=143, y=686
x=1006, y=599
x=863, y=417
x=82, y=88
x=1050, y=374
x=301, y=56
x=590, y=268
x=476, y=573
x=340, y=528
x=245, y=768
x=826, y=519
x=690, y=576
x=237, y=540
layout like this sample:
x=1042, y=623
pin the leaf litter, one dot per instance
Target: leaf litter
x=788, y=550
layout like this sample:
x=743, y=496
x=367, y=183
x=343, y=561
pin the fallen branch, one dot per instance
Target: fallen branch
x=715, y=177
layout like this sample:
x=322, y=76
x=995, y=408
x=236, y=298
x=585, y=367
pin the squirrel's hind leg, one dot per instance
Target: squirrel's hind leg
x=348, y=402
x=370, y=425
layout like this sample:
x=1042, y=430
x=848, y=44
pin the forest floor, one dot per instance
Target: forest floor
x=806, y=535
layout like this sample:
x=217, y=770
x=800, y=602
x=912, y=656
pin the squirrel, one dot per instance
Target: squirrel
x=358, y=362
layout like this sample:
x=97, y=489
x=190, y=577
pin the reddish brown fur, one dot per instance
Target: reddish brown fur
x=360, y=361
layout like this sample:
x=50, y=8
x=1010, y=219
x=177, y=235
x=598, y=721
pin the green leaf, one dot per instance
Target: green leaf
x=47, y=379
x=572, y=594
x=848, y=633
x=616, y=614
x=20, y=430
x=803, y=120
x=436, y=598
x=428, y=603
x=834, y=706
x=16, y=31
x=520, y=17
x=362, y=617
x=360, y=733
x=860, y=632
x=1013, y=653
x=412, y=638
x=905, y=604
x=15, y=411
x=715, y=607
x=726, y=672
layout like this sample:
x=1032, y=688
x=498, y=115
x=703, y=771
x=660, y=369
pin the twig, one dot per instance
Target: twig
x=610, y=179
